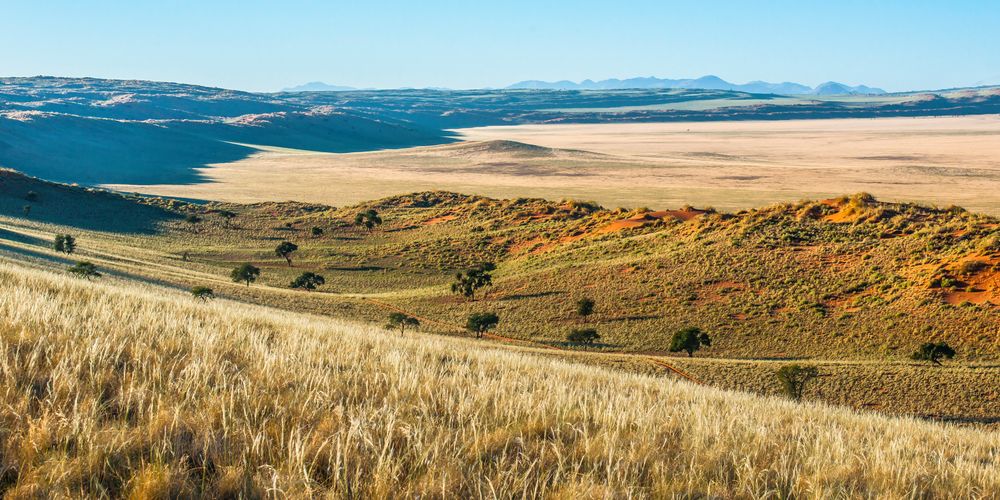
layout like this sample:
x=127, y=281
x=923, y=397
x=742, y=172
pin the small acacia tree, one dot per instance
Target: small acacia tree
x=316, y=231
x=31, y=196
x=84, y=270
x=584, y=307
x=369, y=219
x=245, y=273
x=64, y=243
x=583, y=336
x=468, y=282
x=308, y=281
x=401, y=321
x=227, y=216
x=794, y=378
x=26, y=210
x=480, y=323
x=689, y=339
x=202, y=293
x=285, y=250
x=933, y=352
x=193, y=220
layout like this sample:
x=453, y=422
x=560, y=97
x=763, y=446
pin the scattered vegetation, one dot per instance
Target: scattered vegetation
x=933, y=352
x=583, y=336
x=468, y=282
x=401, y=321
x=308, y=281
x=203, y=293
x=64, y=243
x=369, y=219
x=689, y=340
x=245, y=273
x=794, y=379
x=285, y=249
x=480, y=323
x=84, y=269
x=584, y=307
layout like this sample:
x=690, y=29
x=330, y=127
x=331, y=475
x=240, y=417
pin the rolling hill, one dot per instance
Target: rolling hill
x=109, y=131
x=850, y=285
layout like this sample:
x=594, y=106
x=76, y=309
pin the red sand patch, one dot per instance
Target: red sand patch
x=438, y=220
x=648, y=218
x=718, y=292
x=844, y=216
x=531, y=245
x=980, y=287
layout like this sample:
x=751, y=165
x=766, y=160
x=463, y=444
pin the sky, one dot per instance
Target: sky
x=260, y=45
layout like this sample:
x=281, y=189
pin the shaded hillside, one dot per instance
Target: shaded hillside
x=127, y=132
x=79, y=207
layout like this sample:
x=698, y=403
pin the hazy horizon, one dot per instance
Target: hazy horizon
x=255, y=46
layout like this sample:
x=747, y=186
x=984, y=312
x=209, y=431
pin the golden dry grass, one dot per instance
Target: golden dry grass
x=729, y=165
x=114, y=389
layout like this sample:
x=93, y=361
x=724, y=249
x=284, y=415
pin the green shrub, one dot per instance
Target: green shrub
x=795, y=378
x=583, y=336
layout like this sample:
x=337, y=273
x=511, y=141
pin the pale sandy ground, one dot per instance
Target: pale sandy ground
x=728, y=165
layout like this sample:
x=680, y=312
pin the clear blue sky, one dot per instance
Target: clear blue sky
x=266, y=45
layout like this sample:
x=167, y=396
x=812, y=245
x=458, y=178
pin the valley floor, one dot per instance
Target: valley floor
x=729, y=165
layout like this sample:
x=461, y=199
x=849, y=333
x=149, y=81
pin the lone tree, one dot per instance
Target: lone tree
x=227, y=216
x=26, y=210
x=583, y=336
x=401, y=321
x=64, y=243
x=308, y=281
x=193, y=220
x=689, y=339
x=245, y=273
x=468, y=282
x=316, y=231
x=368, y=219
x=480, y=323
x=933, y=352
x=794, y=378
x=285, y=250
x=84, y=270
x=584, y=307
x=31, y=196
x=203, y=293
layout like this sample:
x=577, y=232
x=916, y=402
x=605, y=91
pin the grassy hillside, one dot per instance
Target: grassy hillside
x=850, y=285
x=115, y=389
x=848, y=278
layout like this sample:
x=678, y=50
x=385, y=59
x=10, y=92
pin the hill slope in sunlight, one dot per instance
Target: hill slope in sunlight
x=116, y=390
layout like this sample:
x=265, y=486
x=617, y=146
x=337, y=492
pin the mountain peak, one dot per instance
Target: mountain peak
x=709, y=82
x=317, y=87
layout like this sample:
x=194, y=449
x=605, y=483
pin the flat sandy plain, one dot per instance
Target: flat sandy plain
x=728, y=165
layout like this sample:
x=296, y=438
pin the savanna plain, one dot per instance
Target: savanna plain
x=701, y=309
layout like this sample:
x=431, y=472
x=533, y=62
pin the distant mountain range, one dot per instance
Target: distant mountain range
x=709, y=82
x=318, y=87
